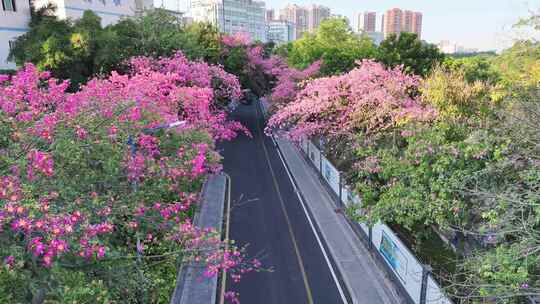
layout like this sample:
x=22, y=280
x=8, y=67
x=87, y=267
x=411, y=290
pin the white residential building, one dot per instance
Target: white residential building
x=449, y=47
x=14, y=18
x=281, y=31
x=233, y=16
x=110, y=11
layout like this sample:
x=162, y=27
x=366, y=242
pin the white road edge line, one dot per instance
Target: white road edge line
x=296, y=190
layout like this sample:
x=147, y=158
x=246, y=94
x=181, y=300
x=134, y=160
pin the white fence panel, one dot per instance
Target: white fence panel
x=398, y=257
x=330, y=174
x=304, y=145
x=434, y=295
x=348, y=197
x=315, y=156
x=345, y=195
x=365, y=228
x=400, y=260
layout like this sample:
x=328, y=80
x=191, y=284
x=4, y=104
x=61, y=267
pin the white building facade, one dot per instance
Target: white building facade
x=14, y=18
x=233, y=16
x=281, y=31
x=110, y=11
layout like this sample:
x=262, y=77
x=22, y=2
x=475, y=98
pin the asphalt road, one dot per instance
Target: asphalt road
x=267, y=216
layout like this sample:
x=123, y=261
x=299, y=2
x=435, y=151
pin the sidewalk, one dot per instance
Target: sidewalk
x=361, y=276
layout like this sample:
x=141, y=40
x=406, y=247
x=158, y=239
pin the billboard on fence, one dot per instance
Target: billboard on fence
x=399, y=259
x=393, y=256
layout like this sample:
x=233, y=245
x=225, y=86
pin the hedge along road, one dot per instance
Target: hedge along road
x=267, y=215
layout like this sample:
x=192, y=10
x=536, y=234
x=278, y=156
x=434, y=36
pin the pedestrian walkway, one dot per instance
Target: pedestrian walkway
x=362, y=277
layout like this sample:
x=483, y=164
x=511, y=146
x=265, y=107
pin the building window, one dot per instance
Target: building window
x=9, y=5
x=117, y=2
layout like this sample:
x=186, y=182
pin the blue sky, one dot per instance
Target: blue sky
x=483, y=24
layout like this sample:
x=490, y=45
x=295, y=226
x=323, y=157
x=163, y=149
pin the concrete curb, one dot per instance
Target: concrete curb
x=191, y=287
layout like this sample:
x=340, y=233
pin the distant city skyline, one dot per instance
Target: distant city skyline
x=479, y=24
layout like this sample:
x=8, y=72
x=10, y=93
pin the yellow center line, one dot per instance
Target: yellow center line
x=297, y=251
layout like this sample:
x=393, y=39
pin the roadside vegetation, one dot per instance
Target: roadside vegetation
x=443, y=148
x=94, y=206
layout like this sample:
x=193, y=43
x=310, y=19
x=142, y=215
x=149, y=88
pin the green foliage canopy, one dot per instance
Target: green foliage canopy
x=406, y=49
x=80, y=49
x=334, y=43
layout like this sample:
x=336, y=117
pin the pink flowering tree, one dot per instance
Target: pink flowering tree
x=262, y=72
x=289, y=81
x=368, y=100
x=96, y=199
x=353, y=115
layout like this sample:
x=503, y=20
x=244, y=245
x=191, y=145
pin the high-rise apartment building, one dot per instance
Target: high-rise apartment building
x=298, y=15
x=281, y=31
x=417, y=24
x=367, y=22
x=305, y=18
x=393, y=20
x=407, y=21
x=270, y=15
x=316, y=14
x=396, y=21
x=233, y=16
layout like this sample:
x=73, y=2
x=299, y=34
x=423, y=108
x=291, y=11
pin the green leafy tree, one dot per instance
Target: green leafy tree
x=406, y=49
x=202, y=41
x=78, y=50
x=519, y=67
x=334, y=43
x=475, y=68
x=66, y=49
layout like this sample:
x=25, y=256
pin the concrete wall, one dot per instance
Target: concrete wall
x=12, y=25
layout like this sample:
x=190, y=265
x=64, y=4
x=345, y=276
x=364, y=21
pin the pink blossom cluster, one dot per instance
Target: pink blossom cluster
x=237, y=39
x=367, y=100
x=289, y=82
x=205, y=247
x=40, y=161
x=188, y=73
x=25, y=97
x=273, y=68
x=51, y=235
x=44, y=221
